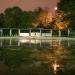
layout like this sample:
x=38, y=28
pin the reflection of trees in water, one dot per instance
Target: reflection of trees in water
x=36, y=61
x=64, y=57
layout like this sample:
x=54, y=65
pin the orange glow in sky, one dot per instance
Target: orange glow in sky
x=27, y=4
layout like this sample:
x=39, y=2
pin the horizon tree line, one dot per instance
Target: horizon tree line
x=40, y=18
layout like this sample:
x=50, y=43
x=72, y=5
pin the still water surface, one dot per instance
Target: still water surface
x=37, y=57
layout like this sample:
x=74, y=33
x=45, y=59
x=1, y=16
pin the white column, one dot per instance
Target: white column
x=18, y=43
x=30, y=32
x=59, y=33
x=18, y=32
x=68, y=32
x=10, y=32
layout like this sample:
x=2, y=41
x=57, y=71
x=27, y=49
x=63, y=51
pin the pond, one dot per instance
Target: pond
x=37, y=57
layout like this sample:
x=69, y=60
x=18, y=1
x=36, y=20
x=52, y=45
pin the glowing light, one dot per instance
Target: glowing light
x=55, y=66
x=55, y=8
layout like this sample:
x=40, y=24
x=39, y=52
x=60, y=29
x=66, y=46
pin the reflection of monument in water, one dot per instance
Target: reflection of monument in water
x=60, y=58
x=57, y=56
x=30, y=42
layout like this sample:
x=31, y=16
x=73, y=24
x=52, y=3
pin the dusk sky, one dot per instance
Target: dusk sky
x=27, y=4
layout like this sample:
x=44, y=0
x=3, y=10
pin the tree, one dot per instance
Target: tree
x=16, y=18
x=68, y=6
x=17, y=13
x=43, y=17
x=12, y=17
x=61, y=20
x=8, y=18
x=27, y=18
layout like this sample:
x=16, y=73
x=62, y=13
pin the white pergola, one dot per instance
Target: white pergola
x=30, y=33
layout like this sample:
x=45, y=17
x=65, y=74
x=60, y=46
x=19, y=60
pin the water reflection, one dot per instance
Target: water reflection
x=37, y=57
x=31, y=42
x=55, y=67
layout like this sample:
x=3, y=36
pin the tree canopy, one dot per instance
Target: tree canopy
x=67, y=6
x=16, y=18
x=43, y=18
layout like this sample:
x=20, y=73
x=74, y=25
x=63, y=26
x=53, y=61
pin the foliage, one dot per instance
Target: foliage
x=43, y=18
x=68, y=6
x=61, y=20
x=16, y=18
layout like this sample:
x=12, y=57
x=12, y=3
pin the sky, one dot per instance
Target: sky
x=28, y=4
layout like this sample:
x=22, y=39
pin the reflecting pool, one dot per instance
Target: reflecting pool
x=37, y=57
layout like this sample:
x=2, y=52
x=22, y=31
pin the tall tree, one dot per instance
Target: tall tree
x=16, y=18
x=17, y=13
x=68, y=6
x=43, y=18
x=9, y=20
x=27, y=18
x=61, y=20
